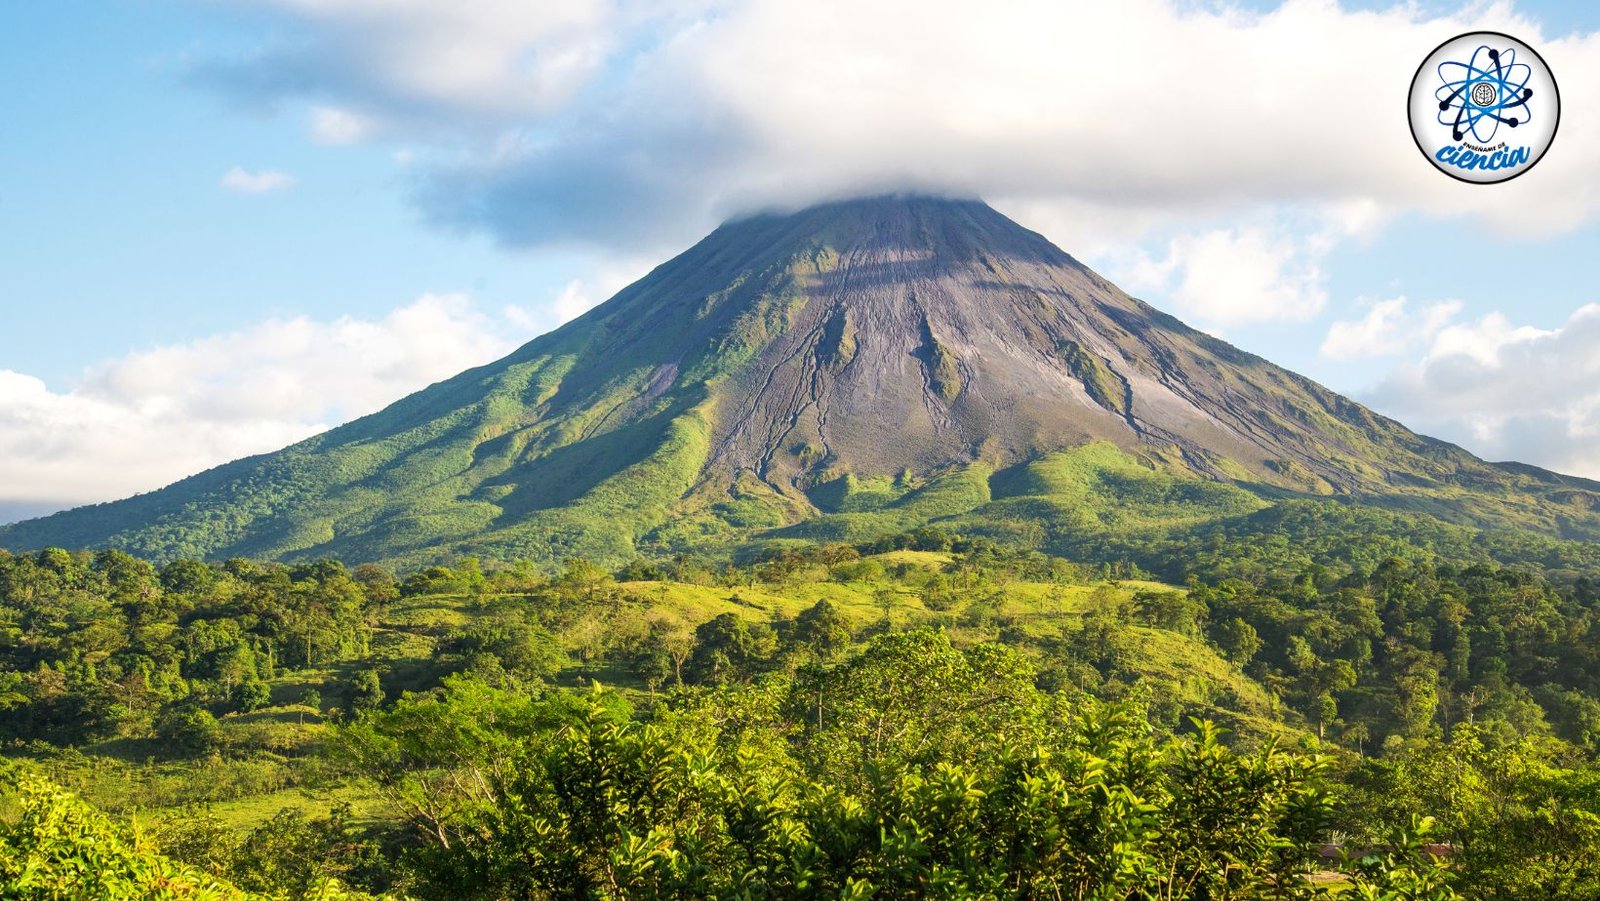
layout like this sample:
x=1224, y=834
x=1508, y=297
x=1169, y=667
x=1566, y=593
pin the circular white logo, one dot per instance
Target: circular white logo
x=1484, y=107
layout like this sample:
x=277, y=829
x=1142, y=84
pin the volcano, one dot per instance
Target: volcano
x=854, y=367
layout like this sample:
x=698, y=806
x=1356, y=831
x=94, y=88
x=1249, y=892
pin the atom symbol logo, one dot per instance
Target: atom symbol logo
x=1470, y=107
x=1496, y=85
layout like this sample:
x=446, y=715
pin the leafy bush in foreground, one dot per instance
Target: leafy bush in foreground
x=60, y=847
x=915, y=770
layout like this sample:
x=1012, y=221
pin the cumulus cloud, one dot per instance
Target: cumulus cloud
x=572, y=301
x=1224, y=276
x=141, y=421
x=267, y=180
x=1191, y=142
x=1507, y=391
x=1387, y=329
x=609, y=122
x=578, y=296
x=415, y=60
x=337, y=126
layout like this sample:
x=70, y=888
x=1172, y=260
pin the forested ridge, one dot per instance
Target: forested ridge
x=923, y=715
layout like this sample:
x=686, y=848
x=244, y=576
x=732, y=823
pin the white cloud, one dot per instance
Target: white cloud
x=1188, y=149
x=612, y=121
x=578, y=296
x=338, y=126
x=574, y=300
x=1507, y=391
x=1267, y=267
x=245, y=182
x=397, y=59
x=1387, y=329
x=1231, y=276
x=1485, y=340
x=141, y=421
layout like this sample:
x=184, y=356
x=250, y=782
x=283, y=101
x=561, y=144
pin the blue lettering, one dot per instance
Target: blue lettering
x=1462, y=158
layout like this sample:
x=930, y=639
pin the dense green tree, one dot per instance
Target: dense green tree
x=729, y=649
x=364, y=692
x=188, y=730
x=518, y=646
x=820, y=630
x=436, y=756
x=1523, y=825
x=251, y=695
x=378, y=583
x=1239, y=640
x=1175, y=611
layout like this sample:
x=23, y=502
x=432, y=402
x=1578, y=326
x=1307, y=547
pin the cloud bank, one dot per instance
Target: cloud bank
x=1388, y=329
x=1209, y=156
x=1506, y=391
x=144, y=420
x=611, y=122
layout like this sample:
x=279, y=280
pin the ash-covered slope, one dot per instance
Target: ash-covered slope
x=760, y=377
x=919, y=333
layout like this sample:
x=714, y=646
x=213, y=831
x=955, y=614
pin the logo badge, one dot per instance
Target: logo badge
x=1484, y=107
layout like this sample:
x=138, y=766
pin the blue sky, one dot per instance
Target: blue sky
x=114, y=220
x=418, y=187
